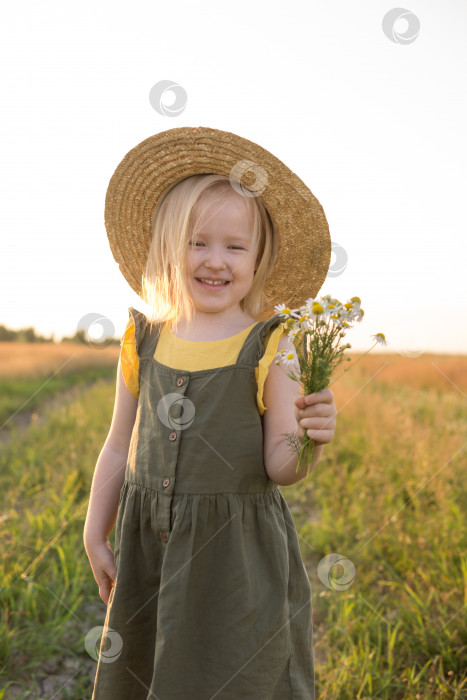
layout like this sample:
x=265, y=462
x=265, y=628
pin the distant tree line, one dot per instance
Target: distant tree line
x=30, y=335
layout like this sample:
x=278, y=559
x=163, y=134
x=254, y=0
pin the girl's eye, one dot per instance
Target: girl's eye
x=199, y=243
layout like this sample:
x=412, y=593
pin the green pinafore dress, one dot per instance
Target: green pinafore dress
x=211, y=597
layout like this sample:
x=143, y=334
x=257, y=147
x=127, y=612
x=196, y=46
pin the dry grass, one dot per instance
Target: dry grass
x=24, y=360
x=34, y=360
x=429, y=371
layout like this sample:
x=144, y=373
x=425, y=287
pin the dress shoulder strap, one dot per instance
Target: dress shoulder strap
x=253, y=348
x=146, y=334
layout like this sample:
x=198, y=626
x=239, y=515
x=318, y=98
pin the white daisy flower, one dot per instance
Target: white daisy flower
x=282, y=309
x=380, y=338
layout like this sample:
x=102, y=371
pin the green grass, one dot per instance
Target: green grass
x=392, y=501
x=46, y=477
x=20, y=395
x=388, y=495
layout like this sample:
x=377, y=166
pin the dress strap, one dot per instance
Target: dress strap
x=253, y=348
x=146, y=333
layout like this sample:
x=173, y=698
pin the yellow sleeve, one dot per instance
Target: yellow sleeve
x=129, y=359
x=271, y=342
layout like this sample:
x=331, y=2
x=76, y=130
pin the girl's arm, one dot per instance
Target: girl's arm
x=110, y=468
x=106, y=485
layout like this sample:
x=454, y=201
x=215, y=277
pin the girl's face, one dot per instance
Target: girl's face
x=222, y=251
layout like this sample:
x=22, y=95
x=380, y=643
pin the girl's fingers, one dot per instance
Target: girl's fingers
x=320, y=436
x=324, y=396
x=105, y=588
x=318, y=422
x=310, y=412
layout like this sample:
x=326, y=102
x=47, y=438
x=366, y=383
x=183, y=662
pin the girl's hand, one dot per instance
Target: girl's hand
x=318, y=417
x=102, y=562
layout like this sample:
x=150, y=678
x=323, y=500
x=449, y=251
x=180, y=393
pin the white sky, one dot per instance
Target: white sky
x=375, y=128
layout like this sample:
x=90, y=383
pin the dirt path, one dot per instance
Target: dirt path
x=19, y=424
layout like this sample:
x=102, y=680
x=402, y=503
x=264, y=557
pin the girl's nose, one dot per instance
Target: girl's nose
x=215, y=259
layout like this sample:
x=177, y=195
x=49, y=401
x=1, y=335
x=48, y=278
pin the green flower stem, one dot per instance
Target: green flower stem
x=305, y=456
x=304, y=448
x=353, y=363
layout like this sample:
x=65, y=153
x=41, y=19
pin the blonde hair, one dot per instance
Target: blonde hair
x=164, y=286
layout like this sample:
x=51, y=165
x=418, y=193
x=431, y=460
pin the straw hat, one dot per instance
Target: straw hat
x=155, y=165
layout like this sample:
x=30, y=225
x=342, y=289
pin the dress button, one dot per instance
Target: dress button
x=179, y=381
x=164, y=537
x=166, y=481
x=173, y=435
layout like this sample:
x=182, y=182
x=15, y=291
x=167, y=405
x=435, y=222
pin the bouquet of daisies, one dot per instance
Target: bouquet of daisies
x=316, y=330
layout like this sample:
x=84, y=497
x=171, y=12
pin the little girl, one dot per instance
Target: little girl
x=207, y=596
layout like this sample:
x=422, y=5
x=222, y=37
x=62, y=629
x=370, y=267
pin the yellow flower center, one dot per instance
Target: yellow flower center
x=317, y=308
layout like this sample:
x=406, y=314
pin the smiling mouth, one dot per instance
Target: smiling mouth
x=211, y=285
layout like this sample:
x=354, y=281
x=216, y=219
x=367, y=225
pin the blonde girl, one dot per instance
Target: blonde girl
x=207, y=594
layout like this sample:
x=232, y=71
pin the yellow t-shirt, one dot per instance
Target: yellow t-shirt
x=192, y=356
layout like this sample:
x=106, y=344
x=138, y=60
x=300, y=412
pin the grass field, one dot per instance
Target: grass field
x=389, y=496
